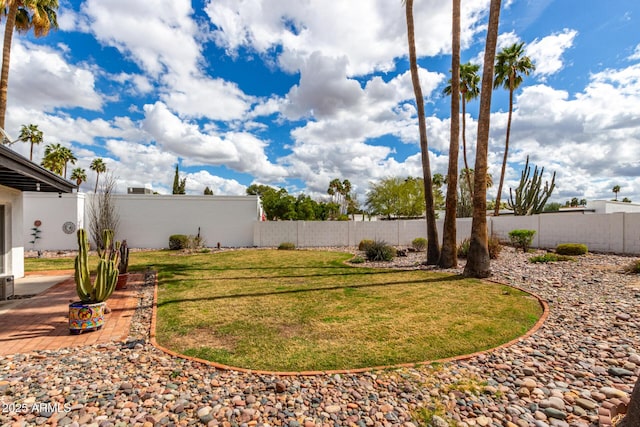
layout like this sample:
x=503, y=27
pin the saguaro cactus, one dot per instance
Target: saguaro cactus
x=530, y=197
x=107, y=271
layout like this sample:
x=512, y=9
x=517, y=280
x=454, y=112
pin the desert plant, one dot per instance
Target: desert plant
x=530, y=197
x=571, y=249
x=178, y=241
x=549, y=257
x=380, y=251
x=103, y=214
x=522, y=238
x=634, y=267
x=419, y=244
x=463, y=248
x=356, y=260
x=107, y=272
x=495, y=247
x=287, y=246
x=123, y=265
x=364, y=244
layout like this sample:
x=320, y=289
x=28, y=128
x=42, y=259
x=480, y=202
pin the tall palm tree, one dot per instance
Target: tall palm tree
x=98, y=166
x=68, y=157
x=31, y=134
x=433, y=248
x=449, y=254
x=22, y=16
x=79, y=175
x=511, y=65
x=54, y=158
x=616, y=190
x=469, y=90
x=478, y=264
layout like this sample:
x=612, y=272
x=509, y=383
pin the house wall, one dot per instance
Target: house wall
x=13, y=232
x=53, y=210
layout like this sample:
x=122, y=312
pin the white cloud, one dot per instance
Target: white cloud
x=636, y=54
x=546, y=53
x=42, y=79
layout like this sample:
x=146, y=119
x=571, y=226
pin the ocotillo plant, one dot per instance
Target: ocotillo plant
x=530, y=197
x=107, y=271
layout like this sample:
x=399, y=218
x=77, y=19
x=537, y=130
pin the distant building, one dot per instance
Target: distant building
x=139, y=190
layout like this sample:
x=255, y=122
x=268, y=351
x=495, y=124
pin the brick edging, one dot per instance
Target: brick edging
x=534, y=329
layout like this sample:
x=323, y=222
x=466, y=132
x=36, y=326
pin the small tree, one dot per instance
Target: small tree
x=208, y=191
x=522, y=238
x=179, y=184
x=103, y=213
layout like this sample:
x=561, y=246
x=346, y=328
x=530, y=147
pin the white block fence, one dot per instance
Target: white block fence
x=147, y=221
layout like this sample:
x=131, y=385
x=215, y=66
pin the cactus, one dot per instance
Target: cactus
x=106, y=274
x=529, y=199
x=123, y=265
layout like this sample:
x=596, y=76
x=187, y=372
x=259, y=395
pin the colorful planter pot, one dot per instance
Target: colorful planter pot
x=86, y=317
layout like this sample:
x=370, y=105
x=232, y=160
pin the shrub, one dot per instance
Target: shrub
x=495, y=247
x=364, y=244
x=634, y=267
x=287, y=246
x=571, y=249
x=178, y=241
x=522, y=238
x=463, y=248
x=356, y=260
x=380, y=251
x=419, y=244
x=550, y=257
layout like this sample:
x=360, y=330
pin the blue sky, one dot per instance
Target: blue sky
x=296, y=93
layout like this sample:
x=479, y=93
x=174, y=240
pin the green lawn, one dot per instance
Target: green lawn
x=307, y=310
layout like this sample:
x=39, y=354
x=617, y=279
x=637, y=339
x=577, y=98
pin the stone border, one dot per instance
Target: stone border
x=534, y=329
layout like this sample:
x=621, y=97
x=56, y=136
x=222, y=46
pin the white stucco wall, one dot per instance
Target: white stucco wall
x=13, y=235
x=52, y=210
x=147, y=221
x=610, y=206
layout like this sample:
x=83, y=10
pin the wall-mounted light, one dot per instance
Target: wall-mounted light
x=37, y=186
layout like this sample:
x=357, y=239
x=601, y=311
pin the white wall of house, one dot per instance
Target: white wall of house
x=13, y=257
x=610, y=206
x=53, y=210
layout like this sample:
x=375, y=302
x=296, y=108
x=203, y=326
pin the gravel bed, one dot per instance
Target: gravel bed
x=585, y=356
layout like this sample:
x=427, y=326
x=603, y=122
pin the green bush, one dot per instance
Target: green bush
x=419, y=244
x=550, y=257
x=364, y=244
x=356, y=260
x=463, y=248
x=495, y=247
x=571, y=249
x=178, y=241
x=380, y=251
x=522, y=238
x=287, y=246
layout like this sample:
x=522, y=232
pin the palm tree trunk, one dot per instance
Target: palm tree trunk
x=95, y=190
x=6, y=56
x=449, y=254
x=467, y=173
x=632, y=419
x=433, y=247
x=478, y=264
x=496, y=210
x=31, y=152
